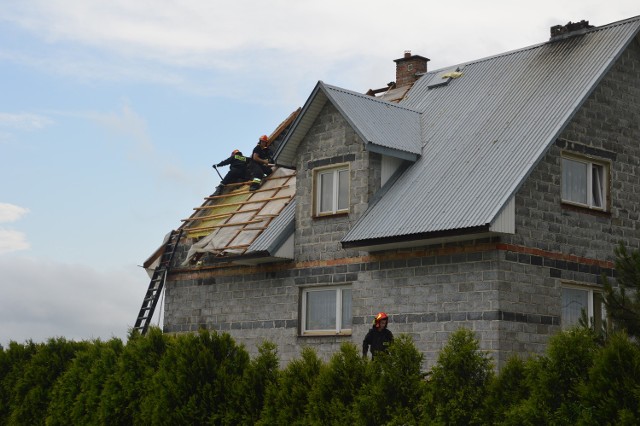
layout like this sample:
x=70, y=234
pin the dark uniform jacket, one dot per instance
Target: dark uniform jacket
x=234, y=162
x=377, y=340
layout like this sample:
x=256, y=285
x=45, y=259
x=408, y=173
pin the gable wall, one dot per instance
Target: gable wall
x=331, y=140
x=555, y=243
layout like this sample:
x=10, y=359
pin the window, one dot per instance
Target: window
x=331, y=190
x=576, y=300
x=584, y=182
x=326, y=310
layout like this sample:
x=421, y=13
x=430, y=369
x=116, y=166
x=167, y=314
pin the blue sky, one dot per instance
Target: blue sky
x=112, y=113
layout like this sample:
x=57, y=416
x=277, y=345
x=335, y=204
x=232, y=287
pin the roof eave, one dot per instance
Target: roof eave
x=421, y=239
x=391, y=152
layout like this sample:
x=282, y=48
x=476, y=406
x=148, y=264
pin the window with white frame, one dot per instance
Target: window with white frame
x=585, y=182
x=331, y=186
x=326, y=310
x=576, y=300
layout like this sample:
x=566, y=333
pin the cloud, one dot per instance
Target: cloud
x=11, y=240
x=43, y=299
x=231, y=49
x=24, y=121
x=11, y=213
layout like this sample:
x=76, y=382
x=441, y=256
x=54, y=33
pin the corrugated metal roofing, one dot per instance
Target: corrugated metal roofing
x=277, y=232
x=384, y=126
x=484, y=131
x=379, y=123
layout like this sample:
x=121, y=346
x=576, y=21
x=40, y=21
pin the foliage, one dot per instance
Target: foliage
x=77, y=393
x=199, y=381
x=287, y=399
x=123, y=390
x=262, y=373
x=13, y=361
x=207, y=378
x=32, y=391
x=336, y=387
x=507, y=389
x=393, y=387
x=623, y=301
x=612, y=393
x=554, y=380
x=459, y=381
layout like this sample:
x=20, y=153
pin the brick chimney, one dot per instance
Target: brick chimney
x=559, y=32
x=409, y=68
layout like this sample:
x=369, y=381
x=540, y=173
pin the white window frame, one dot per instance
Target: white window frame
x=593, y=294
x=590, y=164
x=317, y=189
x=339, y=294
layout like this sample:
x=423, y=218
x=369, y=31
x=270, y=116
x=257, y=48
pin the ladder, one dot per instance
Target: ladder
x=157, y=283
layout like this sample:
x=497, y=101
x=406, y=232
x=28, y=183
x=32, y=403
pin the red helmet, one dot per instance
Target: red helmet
x=236, y=151
x=264, y=138
x=381, y=316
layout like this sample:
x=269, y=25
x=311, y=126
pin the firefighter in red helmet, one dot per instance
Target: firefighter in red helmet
x=378, y=337
x=261, y=158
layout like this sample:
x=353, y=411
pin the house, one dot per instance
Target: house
x=488, y=195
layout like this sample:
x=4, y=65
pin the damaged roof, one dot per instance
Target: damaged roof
x=232, y=225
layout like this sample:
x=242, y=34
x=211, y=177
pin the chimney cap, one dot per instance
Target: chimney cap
x=408, y=56
x=570, y=29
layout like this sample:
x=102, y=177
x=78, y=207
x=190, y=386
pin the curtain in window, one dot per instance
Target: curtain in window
x=573, y=302
x=326, y=192
x=346, y=309
x=343, y=189
x=574, y=181
x=597, y=180
x=321, y=310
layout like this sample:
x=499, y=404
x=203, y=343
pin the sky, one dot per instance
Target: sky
x=113, y=111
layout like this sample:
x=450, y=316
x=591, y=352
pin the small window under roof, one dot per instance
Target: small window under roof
x=444, y=77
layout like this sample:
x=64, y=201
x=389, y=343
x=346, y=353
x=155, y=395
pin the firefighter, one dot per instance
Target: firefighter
x=238, y=171
x=378, y=337
x=260, y=160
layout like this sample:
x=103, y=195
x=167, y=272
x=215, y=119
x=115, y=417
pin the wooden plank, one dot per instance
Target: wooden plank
x=216, y=197
x=242, y=203
x=224, y=225
x=217, y=216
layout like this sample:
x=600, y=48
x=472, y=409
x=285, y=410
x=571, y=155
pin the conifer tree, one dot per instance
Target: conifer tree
x=623, y=301
x=458, y=384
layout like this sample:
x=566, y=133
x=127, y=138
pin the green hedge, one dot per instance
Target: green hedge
x=207, y=378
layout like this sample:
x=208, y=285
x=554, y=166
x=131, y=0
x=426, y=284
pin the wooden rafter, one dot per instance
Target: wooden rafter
x=242, y=203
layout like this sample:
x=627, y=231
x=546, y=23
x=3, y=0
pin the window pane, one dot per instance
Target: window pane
x=573, y=302
x=343, y=189
x=321, y=310
x=346, y=309
x=597, y=185
x=574, y=181
x=326, y=192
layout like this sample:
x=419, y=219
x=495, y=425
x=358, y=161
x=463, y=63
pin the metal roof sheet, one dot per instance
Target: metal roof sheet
x=383, y=126
x=277, y=232
x=483, y=132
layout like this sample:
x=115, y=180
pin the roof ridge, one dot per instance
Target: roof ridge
x=531, y=47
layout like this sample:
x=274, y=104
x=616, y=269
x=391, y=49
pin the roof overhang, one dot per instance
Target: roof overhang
x=403, y=155
x=418, y=240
